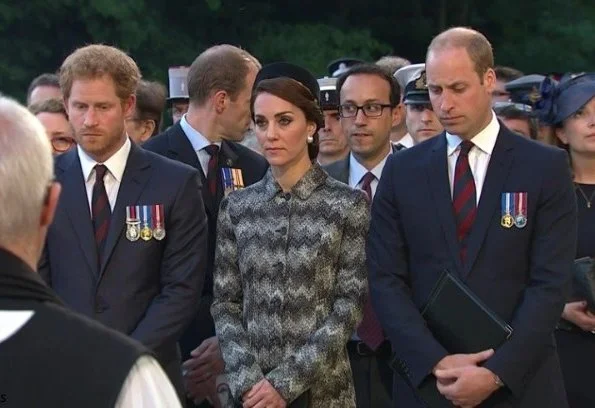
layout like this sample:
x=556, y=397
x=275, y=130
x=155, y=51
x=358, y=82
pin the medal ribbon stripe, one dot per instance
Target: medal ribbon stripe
x=157, y=215
x=464, y=196
x=240, y=178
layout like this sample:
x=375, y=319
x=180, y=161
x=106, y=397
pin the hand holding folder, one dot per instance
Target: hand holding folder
x=463, y=324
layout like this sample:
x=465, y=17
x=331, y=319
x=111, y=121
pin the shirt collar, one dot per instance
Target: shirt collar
x=197, y=140
x=303, y=189
x=484, y=140
x=115, y=164
x=357, y=171
x=406, y=141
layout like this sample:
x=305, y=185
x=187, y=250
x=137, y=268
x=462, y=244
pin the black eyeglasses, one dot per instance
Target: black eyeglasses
x=371, y=110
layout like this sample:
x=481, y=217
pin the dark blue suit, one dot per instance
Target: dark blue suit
x=521, y=274
x=174, y=144
x=149, y=290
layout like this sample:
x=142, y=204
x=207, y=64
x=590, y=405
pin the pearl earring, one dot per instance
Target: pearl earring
x=310, y=139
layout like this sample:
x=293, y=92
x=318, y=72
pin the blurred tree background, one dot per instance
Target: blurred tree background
x=532, y=35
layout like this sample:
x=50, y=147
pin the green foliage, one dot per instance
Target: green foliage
x=532, y=35
x=314, y=45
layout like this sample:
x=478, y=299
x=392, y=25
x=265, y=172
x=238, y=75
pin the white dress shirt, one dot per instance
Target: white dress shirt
x=146, y=385
x=198, y=142
x=406, y=141
x=357, y=172
x=479, y=156
x=113, y=176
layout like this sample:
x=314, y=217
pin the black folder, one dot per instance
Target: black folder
x=462, y=323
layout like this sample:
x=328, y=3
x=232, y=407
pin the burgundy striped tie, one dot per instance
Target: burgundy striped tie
x=101, y=210
x=464, y=196
x=370, y=330
x=213, y=151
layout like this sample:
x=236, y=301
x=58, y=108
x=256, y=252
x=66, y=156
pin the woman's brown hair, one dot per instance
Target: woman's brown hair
x=297, y=94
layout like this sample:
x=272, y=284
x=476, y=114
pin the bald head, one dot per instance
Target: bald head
x=475, y=43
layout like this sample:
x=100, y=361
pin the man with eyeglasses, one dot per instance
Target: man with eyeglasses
x=422, y=122
x=368, y=99
x=52, y=115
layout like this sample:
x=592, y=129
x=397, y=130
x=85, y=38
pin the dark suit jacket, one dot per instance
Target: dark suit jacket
x=174, y=144
x=149, y=290
x=521, y=274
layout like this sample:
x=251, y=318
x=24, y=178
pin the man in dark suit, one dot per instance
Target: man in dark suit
x=369, y=99
x=447, y=204
x=78, y=362
x=128, y=242
x=219, y=86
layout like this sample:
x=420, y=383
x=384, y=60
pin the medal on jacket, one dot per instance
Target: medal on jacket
x=132, y=223
x=232, y=179
x=520, y=216
x=146, y=233
x=506, y=221
x=158, y=214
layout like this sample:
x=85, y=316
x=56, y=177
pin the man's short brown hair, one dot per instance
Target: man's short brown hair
x=219, y=68
x=392, y=63
x=475, y=43
x=95, y=61
x=48, y=106
x=507, y=74
x=150, y=102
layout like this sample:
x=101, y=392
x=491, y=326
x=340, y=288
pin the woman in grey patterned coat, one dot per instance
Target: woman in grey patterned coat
x=290, y=277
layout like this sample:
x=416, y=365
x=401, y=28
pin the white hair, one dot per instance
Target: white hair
x=26, y=170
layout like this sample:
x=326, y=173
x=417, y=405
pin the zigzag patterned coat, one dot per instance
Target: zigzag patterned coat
x=290, y=284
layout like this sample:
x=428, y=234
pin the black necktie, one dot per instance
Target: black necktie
x=212, y=169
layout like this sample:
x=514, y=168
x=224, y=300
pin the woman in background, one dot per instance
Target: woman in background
x=570, y=107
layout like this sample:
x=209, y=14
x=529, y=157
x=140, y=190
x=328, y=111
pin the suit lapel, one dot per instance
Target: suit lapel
x=76, y=205
x=135, y=177
x=181, y=149
x=440, y=186
x=344, y=170
x=228, y=158
x=498, y=170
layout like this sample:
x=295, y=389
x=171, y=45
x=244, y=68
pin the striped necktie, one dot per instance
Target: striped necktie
x=101, y=210
x=464, y=197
